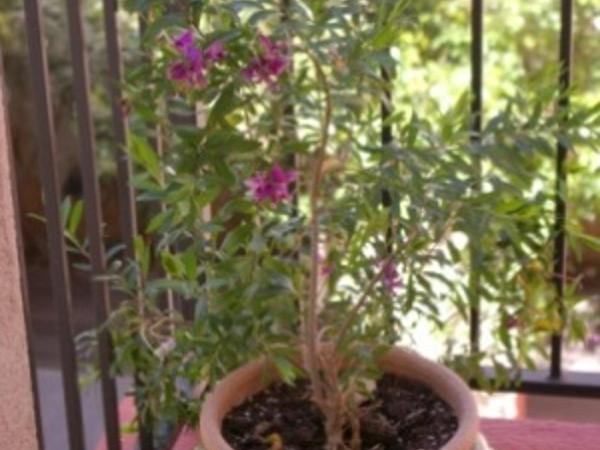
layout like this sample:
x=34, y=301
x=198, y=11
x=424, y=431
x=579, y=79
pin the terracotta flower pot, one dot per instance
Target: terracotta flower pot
x=250, y=379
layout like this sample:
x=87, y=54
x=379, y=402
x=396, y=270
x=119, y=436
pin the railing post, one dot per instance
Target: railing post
x=387, y=138
x=289, y=111
x=93, y=219
x=127, y=211
x=18, y=390
x=476, y=127
x=59, y=270
x=386, y=131
x=560, y=202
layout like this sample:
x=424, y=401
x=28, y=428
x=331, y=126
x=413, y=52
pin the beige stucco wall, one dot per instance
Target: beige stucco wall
x=17, y=424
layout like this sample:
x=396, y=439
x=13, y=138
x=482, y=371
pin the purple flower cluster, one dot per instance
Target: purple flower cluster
x=193, y=63
x=390, y=277
x=215, y=52
x=269, y=65
x=273, y=185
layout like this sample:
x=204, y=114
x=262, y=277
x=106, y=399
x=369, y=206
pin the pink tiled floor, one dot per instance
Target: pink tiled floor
x=501, y=434
x=506, y=435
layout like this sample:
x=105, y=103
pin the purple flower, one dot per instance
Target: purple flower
x=251, y=72
x=275, y=56
x=190, y=69
x=184, y=41
x=259, y=186
x=273, y=185
x=178, y=71
x=215, y=52
x=188, y=72
x=268, y=45
x=270, y=65
x=390, y=277
x=195, y=59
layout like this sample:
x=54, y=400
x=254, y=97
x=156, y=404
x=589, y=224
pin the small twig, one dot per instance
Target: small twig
x=311, y=322
x=364, y=297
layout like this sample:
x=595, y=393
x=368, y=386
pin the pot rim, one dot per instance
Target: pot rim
x=250, y=379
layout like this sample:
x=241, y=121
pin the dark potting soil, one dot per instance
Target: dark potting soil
x=402, y=415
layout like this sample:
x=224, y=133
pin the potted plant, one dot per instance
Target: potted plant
x=310, y=221
x=291, y=116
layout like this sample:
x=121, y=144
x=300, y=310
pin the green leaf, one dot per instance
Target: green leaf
x=142, y=254
x=159, y=221
x=75, y=217
x=224, y=171
x=286, y=369
x=144, y=155
x=237, y=238
x=226, y=103
x=261, y=16
x=221, y=141
x=161, y=24
x=589, y=241
x=207, y=196
x=172, y=264
x=190, y=263
x=65, y=210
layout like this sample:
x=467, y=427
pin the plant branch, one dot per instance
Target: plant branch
x=361, y=302
x=311, y=329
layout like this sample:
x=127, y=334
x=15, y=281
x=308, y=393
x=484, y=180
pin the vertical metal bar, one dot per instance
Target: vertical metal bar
x=23, y=281
x=127, y=211
x=93, y=219
x=560, y=249
x=386, y=129
x=477, y=66
x=59, y=271
x=387, y=138
x=289, y=111
x=476, y=127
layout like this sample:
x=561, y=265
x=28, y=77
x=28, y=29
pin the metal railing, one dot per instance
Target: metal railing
x=59, y=268
x=555, y=382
